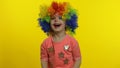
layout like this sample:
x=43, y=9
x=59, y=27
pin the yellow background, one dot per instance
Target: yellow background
x=98, y=33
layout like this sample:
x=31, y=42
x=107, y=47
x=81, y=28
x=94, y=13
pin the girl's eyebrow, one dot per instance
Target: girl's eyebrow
x=55, y=16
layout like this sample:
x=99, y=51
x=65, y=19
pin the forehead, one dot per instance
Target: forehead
x=56, y=15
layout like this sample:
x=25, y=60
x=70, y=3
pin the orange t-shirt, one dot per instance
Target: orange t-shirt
x=60, y=54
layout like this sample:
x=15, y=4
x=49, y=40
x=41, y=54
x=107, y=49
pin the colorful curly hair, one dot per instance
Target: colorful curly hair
x=63, y=9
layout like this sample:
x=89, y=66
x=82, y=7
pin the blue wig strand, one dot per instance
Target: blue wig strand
x=44, y=25
x=72, y=23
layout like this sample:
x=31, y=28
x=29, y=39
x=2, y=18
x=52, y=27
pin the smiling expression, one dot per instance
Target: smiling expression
x=56, y=23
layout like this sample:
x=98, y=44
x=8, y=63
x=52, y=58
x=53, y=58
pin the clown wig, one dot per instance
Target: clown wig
x=69, y=15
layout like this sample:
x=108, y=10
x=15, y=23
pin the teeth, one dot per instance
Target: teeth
x=57, y=25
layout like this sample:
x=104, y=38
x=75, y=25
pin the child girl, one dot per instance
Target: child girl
x=59, y=50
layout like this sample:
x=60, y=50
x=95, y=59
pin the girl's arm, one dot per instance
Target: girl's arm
x=44, y=56
x=76, y=55
x=44, y=64
x=77, y=63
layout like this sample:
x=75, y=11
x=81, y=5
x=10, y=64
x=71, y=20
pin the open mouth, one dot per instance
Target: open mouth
x=57, y=25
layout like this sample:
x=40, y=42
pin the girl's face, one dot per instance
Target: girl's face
x=57, y=24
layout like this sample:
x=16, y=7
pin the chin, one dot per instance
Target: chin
x=57, y=30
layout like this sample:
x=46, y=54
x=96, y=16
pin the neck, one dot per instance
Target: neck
x=57, y=36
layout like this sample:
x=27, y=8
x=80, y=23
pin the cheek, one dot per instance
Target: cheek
x=51, y=23
x=63, y=24
x=51, y=26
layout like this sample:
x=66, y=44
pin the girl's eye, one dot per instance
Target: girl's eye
x=52, y=18
x=60, y=17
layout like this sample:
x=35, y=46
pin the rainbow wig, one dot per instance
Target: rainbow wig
x=69, y=15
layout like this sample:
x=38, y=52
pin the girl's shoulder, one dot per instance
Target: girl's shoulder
x=71, y=38
x=47, y=40
x=73, y=41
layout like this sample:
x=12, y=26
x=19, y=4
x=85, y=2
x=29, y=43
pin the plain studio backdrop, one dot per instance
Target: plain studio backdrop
x=98, y=33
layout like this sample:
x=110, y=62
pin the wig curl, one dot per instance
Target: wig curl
x=63, y=9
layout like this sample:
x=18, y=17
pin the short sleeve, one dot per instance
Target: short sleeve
x=76, y=51
x=44, y=55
